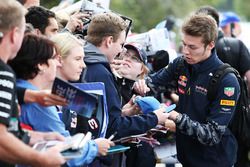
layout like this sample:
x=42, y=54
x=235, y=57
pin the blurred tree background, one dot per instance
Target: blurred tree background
x=147, y=13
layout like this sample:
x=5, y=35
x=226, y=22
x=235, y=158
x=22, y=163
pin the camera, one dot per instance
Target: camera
x=89, y=8
x=92, y=9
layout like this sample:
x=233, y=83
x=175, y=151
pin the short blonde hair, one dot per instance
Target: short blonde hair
x=11, y=14
x=65, y=42
x=145, y=71
x=103, y=25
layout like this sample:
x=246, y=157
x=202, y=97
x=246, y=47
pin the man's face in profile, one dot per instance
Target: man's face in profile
x=116, y=47
x=194, y=50
x=52, y=28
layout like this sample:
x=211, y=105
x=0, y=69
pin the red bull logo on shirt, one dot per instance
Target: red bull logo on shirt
x=182, y=80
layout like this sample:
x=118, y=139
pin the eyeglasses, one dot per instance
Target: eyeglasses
x=127, y=54
x=131, y=56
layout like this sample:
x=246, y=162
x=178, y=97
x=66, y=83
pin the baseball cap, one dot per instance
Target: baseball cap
x=228, y=17
x=140, y=52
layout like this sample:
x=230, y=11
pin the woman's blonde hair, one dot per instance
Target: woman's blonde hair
x=65, y=42
x=144, y=73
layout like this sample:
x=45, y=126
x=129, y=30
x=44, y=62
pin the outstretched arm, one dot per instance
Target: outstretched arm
x=12, y=150
x=43, y=97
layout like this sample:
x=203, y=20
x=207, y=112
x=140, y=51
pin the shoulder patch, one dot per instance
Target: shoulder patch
x=229, y=91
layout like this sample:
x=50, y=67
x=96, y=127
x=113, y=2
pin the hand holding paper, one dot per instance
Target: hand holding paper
x=70, y=148
x=103, y=145
x=80, y=101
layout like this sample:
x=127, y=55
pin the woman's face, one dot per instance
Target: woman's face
x=132, y=66
x=73, y=64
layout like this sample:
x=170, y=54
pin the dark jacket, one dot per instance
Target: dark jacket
x=98, y=70
x=202, y=136
x=125, y=89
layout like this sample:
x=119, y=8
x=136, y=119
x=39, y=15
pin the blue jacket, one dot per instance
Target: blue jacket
x=46, y=119
x=202, y=136
x=98, y=70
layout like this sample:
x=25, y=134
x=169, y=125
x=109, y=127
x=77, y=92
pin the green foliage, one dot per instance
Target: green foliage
x=49, y=3
x=242, y=8
x=147, y=13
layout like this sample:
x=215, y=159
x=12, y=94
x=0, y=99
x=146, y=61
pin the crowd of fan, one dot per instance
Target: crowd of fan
x=36, y=46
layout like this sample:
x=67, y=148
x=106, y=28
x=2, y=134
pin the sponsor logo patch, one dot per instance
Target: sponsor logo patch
x=182, y=80
x=227, y=102
x=181, y=91
x=229, y=91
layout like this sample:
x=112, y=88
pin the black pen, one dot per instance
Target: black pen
x=112, y=136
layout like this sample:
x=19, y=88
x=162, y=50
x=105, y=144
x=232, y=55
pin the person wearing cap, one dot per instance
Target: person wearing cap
x=230, y=24
x=131, y=66
x=103, y=45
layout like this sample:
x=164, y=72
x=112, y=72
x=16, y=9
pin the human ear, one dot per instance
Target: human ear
x=41, y=68
x=109, y=41
x=211, y=45
x=37, y=31
x=14, y=34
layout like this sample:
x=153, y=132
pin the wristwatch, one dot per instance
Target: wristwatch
x=178, y=118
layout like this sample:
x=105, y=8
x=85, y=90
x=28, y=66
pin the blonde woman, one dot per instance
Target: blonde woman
x=72, y=64
x=71, y=52
x=131, y=65
x=35, y=65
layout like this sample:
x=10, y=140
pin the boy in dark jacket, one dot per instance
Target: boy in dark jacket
x=105, y=40
x=100, y=50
